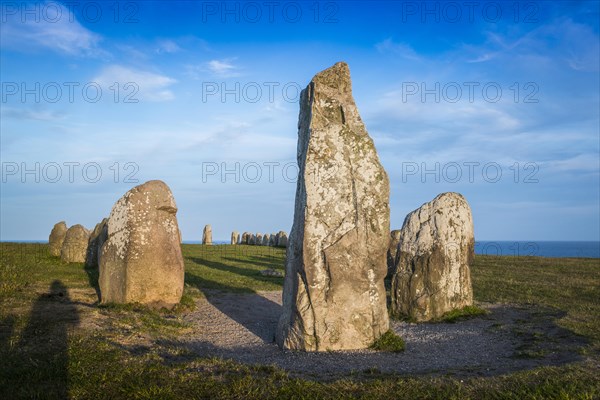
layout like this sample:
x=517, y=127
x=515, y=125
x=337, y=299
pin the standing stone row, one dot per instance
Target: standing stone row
x=279, y=239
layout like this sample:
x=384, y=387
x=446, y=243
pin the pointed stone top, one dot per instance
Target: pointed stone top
x=335, y=77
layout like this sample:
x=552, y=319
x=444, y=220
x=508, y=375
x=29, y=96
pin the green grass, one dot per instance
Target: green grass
x=389, y=341
x=45, y=356
x=462, y=313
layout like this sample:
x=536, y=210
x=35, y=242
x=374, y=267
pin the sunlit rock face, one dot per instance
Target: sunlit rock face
x=334, y=297
x=56, y=238
x=432, y=275
x=141, y=260
x=207, y=235
x=74, y=247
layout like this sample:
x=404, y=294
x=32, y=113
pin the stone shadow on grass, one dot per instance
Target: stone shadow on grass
x=37, y=366
x=223, y=297
x=247, y=272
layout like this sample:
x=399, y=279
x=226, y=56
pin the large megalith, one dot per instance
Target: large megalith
x=436, y=248
x=74, y=247
x=333, y=296
x=141, y=260
x=235, y=237
x=56, y=238
x=207, y=235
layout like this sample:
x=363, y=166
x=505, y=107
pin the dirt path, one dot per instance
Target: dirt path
x=241, y=327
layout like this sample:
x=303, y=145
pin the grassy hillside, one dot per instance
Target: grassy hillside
x=55, y=342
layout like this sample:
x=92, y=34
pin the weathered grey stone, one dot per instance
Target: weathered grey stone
x=282, y=239
x=272, y=239
x=271, y=272
x=392, y=252
x=436, y=249
x=141, y=261
x=265, y=239
x=95, y=242
x=235, y=236
x=259, y=239
x=245, y=238
x=333, y=296
x=74, y=247
x=207, y=235
x=56, y=238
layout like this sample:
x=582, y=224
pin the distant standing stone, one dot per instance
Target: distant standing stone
x=244, y=238
x=259, y=239
x=282, y=239
x=272, y=239
x=265, y=240
x=436, y=249
x=234, y=237
x=141, y=260
x=333, y=295
x=95, y=242
x=207, y=235
x=393, y=251
x=57, y=237
x=74, y=247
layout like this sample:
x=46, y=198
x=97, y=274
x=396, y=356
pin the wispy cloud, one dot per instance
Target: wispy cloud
x=167, y=46
x=223, y=68
x=401, y=49
x=62, y=34
x=31, y=114
x=152, y=86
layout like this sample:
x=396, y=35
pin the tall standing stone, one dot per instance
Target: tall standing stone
x=95, y=242
x=141, y=260
x=244, y=239
x=234, y=237
x=57, y=237
x=436, y=249
x=207, y=235
x=333, y=296
x=74, y=247
x=259, y=239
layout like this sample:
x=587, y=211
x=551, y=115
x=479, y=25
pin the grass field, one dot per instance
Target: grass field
x=55, y=342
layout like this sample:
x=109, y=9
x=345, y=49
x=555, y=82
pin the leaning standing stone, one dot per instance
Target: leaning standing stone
x=333, y=296
x=74, y=247
x=436, y=249
x=141, y=260
x=207, y=235
x=57, y=237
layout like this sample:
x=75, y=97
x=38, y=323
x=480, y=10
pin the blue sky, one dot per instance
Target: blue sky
x=498, y=101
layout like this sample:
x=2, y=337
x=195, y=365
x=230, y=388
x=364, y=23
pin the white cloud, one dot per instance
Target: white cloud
x=401, y=49
x=59, y=31
x=223, y=68
x=152, y=86
x=167, y=46
x=31, y=114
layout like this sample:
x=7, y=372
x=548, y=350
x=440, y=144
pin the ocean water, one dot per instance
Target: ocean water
x=539, y=248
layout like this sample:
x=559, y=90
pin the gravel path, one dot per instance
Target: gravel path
x=241, y=327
